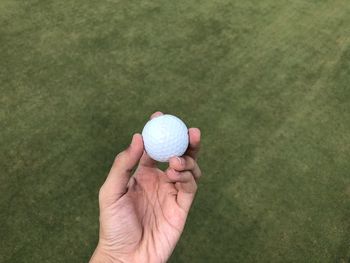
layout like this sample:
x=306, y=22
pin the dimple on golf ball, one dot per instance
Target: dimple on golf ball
x=164, y=137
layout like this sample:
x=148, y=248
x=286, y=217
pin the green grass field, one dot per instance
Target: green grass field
x=268, y=83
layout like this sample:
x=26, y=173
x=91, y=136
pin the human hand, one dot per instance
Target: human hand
x=143, y=215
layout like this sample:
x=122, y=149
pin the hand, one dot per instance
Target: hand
x=142, y=216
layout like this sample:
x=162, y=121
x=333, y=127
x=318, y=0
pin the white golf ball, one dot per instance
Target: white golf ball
x=164, y=137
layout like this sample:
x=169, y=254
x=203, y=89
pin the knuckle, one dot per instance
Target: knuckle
x=119, y=157
x=199, y=173
x=191, y=163
x=195, y=187
x=116, y=159
x=101, y=194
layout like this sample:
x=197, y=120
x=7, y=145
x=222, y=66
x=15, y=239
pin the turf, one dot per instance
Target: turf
x=266, y=81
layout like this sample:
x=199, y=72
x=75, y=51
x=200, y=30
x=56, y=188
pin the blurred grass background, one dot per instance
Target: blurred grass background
x=266, y=81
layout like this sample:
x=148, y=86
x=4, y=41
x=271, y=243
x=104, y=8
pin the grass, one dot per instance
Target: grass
x=266, y=81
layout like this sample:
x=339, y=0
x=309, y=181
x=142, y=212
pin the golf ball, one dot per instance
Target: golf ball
x=164, y=137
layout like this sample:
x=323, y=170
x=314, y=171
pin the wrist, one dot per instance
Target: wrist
x=102, y=256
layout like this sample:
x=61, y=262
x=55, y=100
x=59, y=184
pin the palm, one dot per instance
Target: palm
x=147, y=219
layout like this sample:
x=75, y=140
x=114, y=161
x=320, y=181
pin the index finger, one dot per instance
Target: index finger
x=194, y=144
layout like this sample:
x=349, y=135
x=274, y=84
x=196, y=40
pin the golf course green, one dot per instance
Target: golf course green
x=266, y=81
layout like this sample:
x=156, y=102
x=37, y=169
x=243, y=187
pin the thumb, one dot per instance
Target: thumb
x=115, y=185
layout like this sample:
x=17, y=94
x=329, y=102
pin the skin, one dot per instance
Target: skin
x=142, y=215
